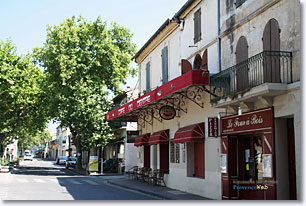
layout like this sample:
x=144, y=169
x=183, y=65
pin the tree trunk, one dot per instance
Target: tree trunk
x=79, y=152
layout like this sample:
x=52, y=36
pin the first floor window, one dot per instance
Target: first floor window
x=174, y=152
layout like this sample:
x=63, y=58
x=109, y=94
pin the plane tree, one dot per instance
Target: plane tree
x=84, y=62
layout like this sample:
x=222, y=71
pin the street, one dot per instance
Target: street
x=44, y=180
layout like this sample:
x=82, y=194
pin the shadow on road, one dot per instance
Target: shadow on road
x=95, y=188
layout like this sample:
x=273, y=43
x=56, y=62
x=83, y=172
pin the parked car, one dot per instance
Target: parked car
x=71, y=162
x=61, y=160
x=28, y=157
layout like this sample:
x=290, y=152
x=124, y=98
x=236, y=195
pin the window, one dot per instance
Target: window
x=148, y=78
x=165, y=64
x=197, y=26
x=174, y=152
x=239, y=3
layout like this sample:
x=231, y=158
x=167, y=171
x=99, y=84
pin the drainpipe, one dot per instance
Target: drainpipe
x=219, y=39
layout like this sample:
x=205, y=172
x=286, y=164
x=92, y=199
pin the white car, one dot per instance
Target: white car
x=28, y=157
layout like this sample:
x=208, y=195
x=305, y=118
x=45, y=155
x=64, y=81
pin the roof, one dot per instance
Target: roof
x=164, y=25
x=152, y=37
x=182, y=9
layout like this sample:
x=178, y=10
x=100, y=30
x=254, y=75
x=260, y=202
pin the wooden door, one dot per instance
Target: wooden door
x=242, y=73
x=164, y=157
x=146, y=157
x=233, y=165
x=271, y=44
x=199, y=156
x=291, y=159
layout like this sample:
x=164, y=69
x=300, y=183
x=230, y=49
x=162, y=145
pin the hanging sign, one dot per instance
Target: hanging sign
x=213, y=127
x=131, y=136
x=167, y=112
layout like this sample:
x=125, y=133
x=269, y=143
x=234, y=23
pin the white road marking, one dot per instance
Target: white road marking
x=22, y=180
x=39, y=180
x=54, y=180
x=91, y=182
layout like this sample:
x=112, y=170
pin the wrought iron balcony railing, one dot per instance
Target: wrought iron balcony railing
x=265, y=67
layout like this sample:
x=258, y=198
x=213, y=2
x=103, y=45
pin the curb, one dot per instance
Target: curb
x=139, y=190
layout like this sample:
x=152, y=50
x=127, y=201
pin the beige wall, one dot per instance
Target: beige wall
x=251, y=19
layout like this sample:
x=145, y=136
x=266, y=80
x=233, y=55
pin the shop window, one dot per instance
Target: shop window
x=197, y=26
x=174, y=152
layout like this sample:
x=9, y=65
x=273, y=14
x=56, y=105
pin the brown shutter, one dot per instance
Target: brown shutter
x=186, y=66
x=204, y=60
x=271, y=42
x=242, y=73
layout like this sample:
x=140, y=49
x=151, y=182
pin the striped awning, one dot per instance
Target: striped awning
x=142, y=140
x=191, y=133
x=160, y=137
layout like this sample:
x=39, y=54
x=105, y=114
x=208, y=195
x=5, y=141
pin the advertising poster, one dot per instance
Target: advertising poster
x=93, y=163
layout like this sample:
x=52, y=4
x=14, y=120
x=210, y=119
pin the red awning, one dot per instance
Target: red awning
x=130, y=111
x=191, y=133
x=161, y=137
x=142, y=140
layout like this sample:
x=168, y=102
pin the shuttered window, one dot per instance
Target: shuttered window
x=148, y=78
x=165, y=64
x=197, y=26
x=239, y=3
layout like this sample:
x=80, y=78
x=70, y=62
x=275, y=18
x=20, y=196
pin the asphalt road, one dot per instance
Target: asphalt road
x=44, y=180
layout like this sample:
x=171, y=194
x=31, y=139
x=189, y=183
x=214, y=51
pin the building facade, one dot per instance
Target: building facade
x=260, y=84
x=220, y=100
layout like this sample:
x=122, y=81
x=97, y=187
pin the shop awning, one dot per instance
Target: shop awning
x=130, y=112
x=191, y=133
x=161, y=137
x=142, y=140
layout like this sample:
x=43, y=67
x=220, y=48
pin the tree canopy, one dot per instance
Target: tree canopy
x=21, y=97
x=83, y=61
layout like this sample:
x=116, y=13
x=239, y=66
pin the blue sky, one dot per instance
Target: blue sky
x=25, y=22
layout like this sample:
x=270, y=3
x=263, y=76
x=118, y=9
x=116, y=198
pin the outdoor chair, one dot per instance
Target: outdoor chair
x=146, y=174
x=132, y=172
x=140, y=173
x=157, y=177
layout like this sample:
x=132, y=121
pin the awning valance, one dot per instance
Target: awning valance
x=142, y=140
x=161, y=137
x=130, y=111
x=191, y=133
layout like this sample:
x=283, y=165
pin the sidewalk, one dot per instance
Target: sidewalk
x=158, y=191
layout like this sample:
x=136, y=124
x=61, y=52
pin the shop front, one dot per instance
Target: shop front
x=248, y=156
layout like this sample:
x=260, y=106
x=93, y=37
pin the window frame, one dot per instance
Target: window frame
x=197, y=26
x=174, y=152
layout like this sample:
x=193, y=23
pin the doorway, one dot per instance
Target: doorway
x=245, y=166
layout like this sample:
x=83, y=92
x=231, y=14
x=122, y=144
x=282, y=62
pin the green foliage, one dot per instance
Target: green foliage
x=21, y=97
x=39, y=137
x=4, y=162
x=83, y=61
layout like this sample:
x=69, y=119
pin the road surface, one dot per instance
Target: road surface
x=44, y=180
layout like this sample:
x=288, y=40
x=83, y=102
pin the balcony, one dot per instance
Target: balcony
x=265, y=74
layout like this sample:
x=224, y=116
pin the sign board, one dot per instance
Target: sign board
x=249, y=121
x=93, y=164
x=213, y=126
x=131, y=136
x=167, y=112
